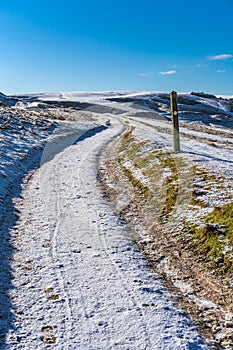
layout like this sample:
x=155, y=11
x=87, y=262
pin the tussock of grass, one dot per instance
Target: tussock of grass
x=126, y=139
x=214, y=241
x=223, y=216
x=135, y=182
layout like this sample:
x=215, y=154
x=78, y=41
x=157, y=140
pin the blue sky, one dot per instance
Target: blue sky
x=87, y=45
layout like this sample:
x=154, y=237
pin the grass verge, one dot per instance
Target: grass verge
x=179, y=191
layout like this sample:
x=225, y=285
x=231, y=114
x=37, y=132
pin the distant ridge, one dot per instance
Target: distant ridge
x=2, y=95
x=7, y=101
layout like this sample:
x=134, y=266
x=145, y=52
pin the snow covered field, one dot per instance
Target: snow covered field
x=206, y=130
x=71, y=278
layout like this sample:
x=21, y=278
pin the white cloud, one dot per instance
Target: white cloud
x=146, y=74
x=224, y=56
x=168, y=72
x=221, y=70
x=201, y=65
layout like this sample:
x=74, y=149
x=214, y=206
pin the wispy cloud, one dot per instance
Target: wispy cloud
x=149, y=74
x=168, y=72
x=201, y=65
x=222, y=57
x=221, y=71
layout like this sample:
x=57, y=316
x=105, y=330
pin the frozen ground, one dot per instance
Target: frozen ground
x=73, y=277
x=78, y=281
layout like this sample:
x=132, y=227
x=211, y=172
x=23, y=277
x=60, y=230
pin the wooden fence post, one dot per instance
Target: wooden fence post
x=175, y=121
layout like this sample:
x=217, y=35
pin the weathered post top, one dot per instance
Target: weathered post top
x=173, y=98
x=175, y=121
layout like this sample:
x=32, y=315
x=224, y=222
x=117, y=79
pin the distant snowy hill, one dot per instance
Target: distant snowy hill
x=7, y=101
x=195, y=107
x=2, y=97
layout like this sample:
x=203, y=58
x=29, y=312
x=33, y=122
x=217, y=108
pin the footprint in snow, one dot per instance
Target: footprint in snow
x=50, y=296
x=49, y=290
x=53, y=297
x=48, y=338
x=46, y=244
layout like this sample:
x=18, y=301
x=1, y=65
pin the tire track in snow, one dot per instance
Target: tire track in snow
x=58, y=272
x=122, y=276
x=56, y=261
x=98, y=227
x=80, y=285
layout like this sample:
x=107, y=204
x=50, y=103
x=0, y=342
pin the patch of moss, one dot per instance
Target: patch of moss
x=210, y=241
x=135, y=182
x=125, y=141
x=197, y=201
x=207, y=242
x=223, y=216
x=171, y=197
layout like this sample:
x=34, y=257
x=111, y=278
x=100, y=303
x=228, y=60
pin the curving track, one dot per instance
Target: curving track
x=79, y=281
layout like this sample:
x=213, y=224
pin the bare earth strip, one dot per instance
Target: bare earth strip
x=79, y=282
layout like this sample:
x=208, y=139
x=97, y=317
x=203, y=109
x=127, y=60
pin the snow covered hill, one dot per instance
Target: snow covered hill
x=193, y=107
x=188, y=191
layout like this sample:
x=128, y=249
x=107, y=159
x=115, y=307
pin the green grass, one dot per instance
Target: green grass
x=223, y=216
x=211, y=240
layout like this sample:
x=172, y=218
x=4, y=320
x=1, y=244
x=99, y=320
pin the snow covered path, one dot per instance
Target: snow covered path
x=79, y=282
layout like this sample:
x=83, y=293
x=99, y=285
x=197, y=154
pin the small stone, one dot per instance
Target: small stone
x=53, y=297
x=47, y=329
x=49, y=340
x=49, y=290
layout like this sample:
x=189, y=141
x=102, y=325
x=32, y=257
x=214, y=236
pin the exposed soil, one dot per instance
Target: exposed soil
x=201, y=291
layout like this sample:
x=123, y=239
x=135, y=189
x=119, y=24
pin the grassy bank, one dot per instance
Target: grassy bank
x=181, y=194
